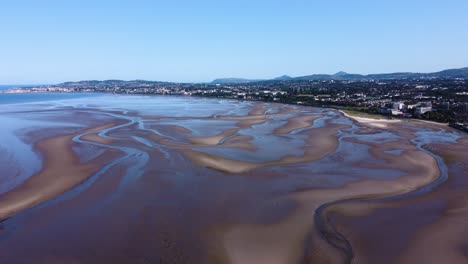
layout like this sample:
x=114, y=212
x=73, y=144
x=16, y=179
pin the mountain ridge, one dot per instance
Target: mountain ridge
x=448, y=73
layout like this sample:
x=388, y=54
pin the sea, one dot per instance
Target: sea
x=36, y=97
x=8, y=86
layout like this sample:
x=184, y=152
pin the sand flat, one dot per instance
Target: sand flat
x=297, y=123
x=61, y=171
x=212, y=140
x=317, y=147
x=94, y=137
x=241, y=208
x=421, y=169
x=442, y=240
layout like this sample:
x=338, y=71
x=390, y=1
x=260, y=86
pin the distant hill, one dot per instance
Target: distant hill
x=341, y=73
x=317, y=77
x=283, y=78
x=233, y=80
x=451, y=73
x=243, y=80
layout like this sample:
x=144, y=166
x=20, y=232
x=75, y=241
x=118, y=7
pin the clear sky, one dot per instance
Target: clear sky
x=51, y=41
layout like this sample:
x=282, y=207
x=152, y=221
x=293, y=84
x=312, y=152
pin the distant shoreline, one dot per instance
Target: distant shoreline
x=367, y=119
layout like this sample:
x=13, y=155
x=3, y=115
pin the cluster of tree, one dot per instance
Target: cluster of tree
x=442, y=117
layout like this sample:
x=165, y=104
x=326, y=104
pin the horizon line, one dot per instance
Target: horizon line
x=252, y=79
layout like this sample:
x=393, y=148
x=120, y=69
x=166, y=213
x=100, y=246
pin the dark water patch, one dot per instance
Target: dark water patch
x=465, y=250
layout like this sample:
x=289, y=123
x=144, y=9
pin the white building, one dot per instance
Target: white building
x=423, y=108
x=398, y=106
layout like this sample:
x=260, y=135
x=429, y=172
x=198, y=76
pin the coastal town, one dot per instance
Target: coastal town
x=442, y=100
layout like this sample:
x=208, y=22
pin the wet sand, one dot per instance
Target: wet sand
x=297, y=123
x=213, y=140
x=361, y=221
x=320, y=143
x=62, y=171
x=276, y=184
x=299, y=227
x=430, y=228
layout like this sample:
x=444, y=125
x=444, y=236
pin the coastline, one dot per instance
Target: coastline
x=374, y=122
x=378, y=123
x=383, y=123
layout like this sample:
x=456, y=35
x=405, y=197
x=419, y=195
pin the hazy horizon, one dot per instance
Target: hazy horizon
x=2, y=85
x=180, y=41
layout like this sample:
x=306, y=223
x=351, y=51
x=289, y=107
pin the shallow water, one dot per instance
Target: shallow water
x=156, y=201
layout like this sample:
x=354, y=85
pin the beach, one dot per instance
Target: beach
x=133, y=180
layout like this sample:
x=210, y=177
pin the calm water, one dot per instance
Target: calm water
x=6, y=87
x=39, y=97
x=173, y=106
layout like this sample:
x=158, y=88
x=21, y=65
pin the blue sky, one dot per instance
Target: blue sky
x=53, y=41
